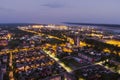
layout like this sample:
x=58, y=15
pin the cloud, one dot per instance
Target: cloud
x=3, y=9
x=53, y=5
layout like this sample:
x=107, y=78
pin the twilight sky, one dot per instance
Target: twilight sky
x=56, y=11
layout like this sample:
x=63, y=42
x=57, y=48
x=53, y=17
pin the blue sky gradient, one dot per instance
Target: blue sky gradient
x=56, y=11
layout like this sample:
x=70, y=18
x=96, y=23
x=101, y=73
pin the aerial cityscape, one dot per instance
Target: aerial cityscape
x=54, y=40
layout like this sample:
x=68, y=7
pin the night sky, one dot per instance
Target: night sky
x=56, y=11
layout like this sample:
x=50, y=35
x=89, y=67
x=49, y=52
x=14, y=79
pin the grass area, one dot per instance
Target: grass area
x=71, y=63
x=55, y=41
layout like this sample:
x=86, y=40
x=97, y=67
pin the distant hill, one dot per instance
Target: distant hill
x=16, y=24
x=93, y=24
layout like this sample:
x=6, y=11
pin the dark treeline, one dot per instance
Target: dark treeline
x=56, y=33
x=101, y=45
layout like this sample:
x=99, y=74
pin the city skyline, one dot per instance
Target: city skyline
x=52, y=11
